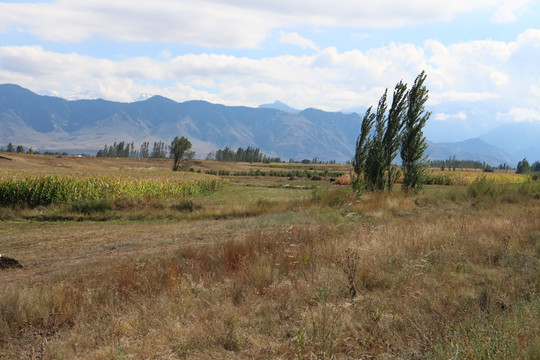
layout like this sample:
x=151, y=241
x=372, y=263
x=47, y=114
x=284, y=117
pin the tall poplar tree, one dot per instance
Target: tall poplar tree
x=392, y=135
x=363, y=144
x=414, y=144
x=375, y=160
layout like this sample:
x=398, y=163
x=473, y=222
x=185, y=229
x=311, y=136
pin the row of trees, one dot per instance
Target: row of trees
x=452, y=163
x=179, y=150
x=251, y=155
x=398, y=129
x=20, y=149
x=160, y=150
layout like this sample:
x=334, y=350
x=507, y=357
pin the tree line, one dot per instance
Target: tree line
x=524, y=167
x=179, y=150
x=20, y=149
x=123, y=149
x=452, y=164
x=251, y=155
x=383, y=133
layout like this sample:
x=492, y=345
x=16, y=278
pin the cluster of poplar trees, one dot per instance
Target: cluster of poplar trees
x=251, y=155
x=160, y=150
x=385, y=133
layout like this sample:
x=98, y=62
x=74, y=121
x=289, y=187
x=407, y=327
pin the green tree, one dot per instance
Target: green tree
x=392, y=135
x=160, y=150
x=20, y=149
x=10, y=148
x=414, y=143
x=375, y=164
x=181, y=150
x=523, y=167
x=363, y=144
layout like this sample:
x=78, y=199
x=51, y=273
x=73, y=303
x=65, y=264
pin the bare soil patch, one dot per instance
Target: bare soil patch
x=9, y=263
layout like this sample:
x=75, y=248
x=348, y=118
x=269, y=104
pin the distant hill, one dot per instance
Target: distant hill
x=57, y=124
x=278, y=105
x=51, y=123
x=521, y=139
x=472, y=149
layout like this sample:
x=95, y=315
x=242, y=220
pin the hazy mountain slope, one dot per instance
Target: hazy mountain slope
x=52, y=123
x=278, y=105
x=521, y=139
x=472, y=149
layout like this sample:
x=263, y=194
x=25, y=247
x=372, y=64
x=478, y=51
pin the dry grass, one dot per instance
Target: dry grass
x=317, y=276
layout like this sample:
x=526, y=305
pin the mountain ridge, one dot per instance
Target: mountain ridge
x=43, y=121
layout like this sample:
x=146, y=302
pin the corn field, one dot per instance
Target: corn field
x=35, y=188
x=468, y=177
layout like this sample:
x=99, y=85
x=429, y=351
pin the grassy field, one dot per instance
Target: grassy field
x=267, y=267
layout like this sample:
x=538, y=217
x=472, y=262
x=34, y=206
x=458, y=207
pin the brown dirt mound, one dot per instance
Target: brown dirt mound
x=344, y=180
x=9, y=263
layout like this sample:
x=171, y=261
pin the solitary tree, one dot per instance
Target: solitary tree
x=181, y=150
x=10, y=148
x=414, y=143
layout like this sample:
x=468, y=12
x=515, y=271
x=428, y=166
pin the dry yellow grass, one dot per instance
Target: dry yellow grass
x=469, y=176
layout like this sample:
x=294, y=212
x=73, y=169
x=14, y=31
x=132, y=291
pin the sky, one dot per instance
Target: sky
x=331, y=55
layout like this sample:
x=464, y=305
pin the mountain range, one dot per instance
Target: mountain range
x=56, y=124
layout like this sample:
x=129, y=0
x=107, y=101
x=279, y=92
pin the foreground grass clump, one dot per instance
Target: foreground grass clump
x=41, y=190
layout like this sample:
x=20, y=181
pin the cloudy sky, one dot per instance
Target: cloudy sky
x=332, y=55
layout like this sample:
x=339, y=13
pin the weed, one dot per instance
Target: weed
x=186, y=205
x=350, y=266
x=90, y=206
x=481, y=187
x=331, y=198
x=230, y=340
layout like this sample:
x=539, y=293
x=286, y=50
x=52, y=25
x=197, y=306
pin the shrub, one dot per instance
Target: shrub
x=185, y=206
x=481, y=186
x=90, y=206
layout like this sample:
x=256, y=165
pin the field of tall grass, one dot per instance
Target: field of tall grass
x=38, y=188
x=262, y=271
x=437, y=177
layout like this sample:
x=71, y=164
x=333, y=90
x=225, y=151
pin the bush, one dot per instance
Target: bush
x=481, y=186
x=90, y=206
x=185, y=206
x=334, y=198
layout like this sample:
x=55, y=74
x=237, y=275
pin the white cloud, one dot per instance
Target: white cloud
x=200, y=22
x=444, y=117
x=535, y=90
x=509, y=11
x=230, y=23
x=501, y=74
x=463, y=96
x=166, y=54
x=521, y=114
x=297, y=40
